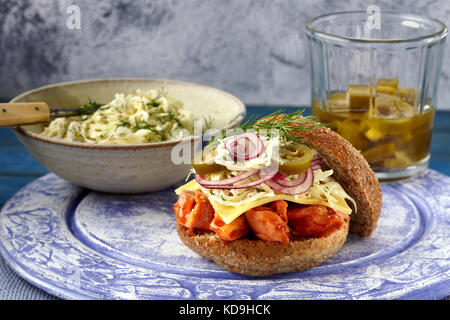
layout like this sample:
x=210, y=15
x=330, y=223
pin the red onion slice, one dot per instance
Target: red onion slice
x=282, y=180
x=263, y=177
x=316, y=159
x=242, y=186
x=202, y=181
x=245, y=146
x=301, y=188
x=316, y=163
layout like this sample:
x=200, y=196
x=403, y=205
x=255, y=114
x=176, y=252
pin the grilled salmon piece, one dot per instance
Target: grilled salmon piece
x=280, y=207
x=315, y=220
x=184, y=205
x=270, y=223
x=232, y=231
x=194, y=210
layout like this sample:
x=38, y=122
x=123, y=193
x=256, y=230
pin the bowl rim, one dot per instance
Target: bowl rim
x=19, y=130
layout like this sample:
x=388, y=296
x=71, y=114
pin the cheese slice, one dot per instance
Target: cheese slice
x=229, y=213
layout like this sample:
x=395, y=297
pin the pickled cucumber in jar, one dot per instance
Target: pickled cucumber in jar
x=380, y=121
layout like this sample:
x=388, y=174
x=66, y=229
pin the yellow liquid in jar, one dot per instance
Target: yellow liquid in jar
x=380, y=123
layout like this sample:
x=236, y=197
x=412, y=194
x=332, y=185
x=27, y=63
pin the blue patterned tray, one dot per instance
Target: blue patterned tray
x=78, y=244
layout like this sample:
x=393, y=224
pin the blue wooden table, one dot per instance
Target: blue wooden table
x=18, y=168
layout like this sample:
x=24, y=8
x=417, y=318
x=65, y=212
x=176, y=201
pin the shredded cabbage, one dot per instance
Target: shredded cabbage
x=147, y=116
x=324, y=187
x=236, y=197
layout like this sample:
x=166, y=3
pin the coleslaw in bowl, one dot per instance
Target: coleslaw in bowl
x=139, y=163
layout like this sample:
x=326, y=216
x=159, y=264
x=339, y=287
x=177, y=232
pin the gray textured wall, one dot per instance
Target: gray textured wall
x=254, y=49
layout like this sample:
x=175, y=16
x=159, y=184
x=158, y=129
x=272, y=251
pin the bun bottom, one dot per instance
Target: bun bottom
x=263, y=258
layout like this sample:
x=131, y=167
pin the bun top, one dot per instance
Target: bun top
x=353, y=173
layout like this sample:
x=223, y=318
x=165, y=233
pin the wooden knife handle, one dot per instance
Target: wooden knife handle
x=13, y=114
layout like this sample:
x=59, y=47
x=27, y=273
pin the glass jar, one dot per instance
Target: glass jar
x=374, y=80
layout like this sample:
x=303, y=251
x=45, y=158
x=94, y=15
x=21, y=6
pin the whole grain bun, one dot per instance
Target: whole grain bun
x=264, y=258
x=353, y=173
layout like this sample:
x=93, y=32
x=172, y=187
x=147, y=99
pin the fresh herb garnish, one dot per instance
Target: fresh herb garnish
x=282, y=125
x=125, y=123
x=89, y=108
x=171, y=116
x=141, y=125
x=154, y=102
x=208, y=122
x=146, y=126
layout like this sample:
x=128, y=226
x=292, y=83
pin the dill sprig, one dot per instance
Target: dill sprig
x=283, y=124
x=141, y=125
x=125, y=123
x=208, y=122
x=89, y=108
x=154, y=102
x=172, y=117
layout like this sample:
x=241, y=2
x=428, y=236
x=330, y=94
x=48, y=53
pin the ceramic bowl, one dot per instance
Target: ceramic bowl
x=133, y=168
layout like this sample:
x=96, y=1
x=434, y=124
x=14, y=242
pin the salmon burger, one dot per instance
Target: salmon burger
x=278, y=195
